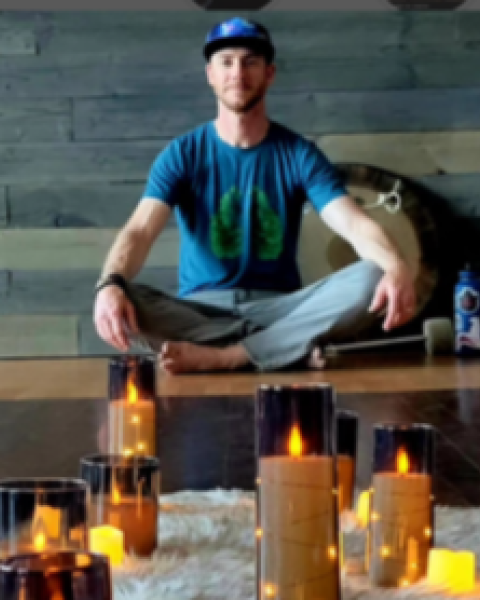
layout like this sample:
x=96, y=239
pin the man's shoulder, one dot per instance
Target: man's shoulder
x=193, y=135
x=295, y=140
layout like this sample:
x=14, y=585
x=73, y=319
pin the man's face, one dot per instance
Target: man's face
x=239, y=78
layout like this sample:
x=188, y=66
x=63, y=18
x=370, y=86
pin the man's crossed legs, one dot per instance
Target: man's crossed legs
x=227, y=329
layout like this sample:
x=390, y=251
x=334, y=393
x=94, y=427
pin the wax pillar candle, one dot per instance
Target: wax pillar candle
x=42, y=514
x=462, y=572
x=107, y=540
x=297, y=526
x=124, y=495
x=440, y=562
x=401, y=522
x=132, y=409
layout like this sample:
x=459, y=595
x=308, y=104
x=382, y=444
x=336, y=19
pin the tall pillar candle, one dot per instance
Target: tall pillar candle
x=124, y=495
x=131, y=408
x=297, y=516
x=401, y=520
x=346, y=450
x=42, y=514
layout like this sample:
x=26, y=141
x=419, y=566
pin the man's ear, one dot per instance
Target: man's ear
x=271, y=72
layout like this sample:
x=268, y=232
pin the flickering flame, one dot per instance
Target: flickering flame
x=269, y=590
x=295, y=442
x=127, y=452
x=132, y=392
x=116, y=497
x=428, y=532
x=403, y=464
x=385, y=551
x=40, y=541
x=259, y=532
x=404, y=582
x=332, y=552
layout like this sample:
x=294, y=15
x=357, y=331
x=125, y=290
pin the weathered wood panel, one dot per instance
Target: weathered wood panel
x=74, y=206
x=89, y=342
x=53, y=249
x=461, y=192
x=4, y=286
x=66, y=292
x=317, y=113
x=83, y=76
x=3, y=207
x=16, y=42
x=110, y=205
x=33, y=335
x=408, y=153
x=35, y=121
x=312, y=31
x=67, y=162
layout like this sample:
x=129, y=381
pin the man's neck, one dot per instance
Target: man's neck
x=242, y=131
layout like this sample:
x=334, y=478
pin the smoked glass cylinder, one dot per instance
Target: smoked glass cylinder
x=125, y=494
x=131, y=408
x=401, y=517
x=347, y=436
x=56, y=576
x=40, y=514
x=297, y=517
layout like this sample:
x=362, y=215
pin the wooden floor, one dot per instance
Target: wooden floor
x=52, y=413
x=71, y=378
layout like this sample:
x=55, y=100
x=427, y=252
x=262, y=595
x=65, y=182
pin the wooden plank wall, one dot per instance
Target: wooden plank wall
x=88, y=99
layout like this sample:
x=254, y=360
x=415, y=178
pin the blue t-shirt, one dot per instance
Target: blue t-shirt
x=239, y=210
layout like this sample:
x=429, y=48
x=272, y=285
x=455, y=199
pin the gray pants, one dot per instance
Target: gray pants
x=276, y=329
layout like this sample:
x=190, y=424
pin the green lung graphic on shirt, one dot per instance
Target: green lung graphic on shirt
x=226, y=232
x=267, y=228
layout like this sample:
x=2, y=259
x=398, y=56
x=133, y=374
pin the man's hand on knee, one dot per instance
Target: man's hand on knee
x=114, y=316
x=395, y=294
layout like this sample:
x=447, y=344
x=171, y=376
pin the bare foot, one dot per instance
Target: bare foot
x=316, y=360
x=185, y=357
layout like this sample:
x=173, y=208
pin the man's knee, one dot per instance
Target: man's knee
x=370, y=275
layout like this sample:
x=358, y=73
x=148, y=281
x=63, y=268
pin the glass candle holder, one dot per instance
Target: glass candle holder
x=42, y=514
x=131, y=408
x=124, y=494
x=55, y=575
x=297, y=516
x=401, y=517
x=347, y=436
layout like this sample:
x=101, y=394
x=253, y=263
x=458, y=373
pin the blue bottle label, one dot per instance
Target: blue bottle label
x=467, y=320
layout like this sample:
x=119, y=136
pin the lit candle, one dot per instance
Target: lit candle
x=363, y=508
x=132, y=424
x=439, y=565
x=400, y=533
x=462, y=572
x=298, y=548
x=131, y=408
x=42, y=514
x=124, y=495
x=107, y=540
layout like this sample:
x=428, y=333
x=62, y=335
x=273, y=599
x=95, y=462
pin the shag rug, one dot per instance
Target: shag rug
x=207, y=551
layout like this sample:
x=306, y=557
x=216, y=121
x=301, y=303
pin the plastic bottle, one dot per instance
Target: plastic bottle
x=467, y=313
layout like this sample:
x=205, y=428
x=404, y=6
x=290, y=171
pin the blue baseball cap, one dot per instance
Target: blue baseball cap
x=239, y=33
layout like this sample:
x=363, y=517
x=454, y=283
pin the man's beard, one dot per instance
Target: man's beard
x=245, y=107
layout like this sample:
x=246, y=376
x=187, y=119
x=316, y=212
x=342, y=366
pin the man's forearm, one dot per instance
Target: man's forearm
x=372, y=243
x=127, y=254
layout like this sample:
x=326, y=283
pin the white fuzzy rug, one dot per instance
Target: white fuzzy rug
x=207, y=552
